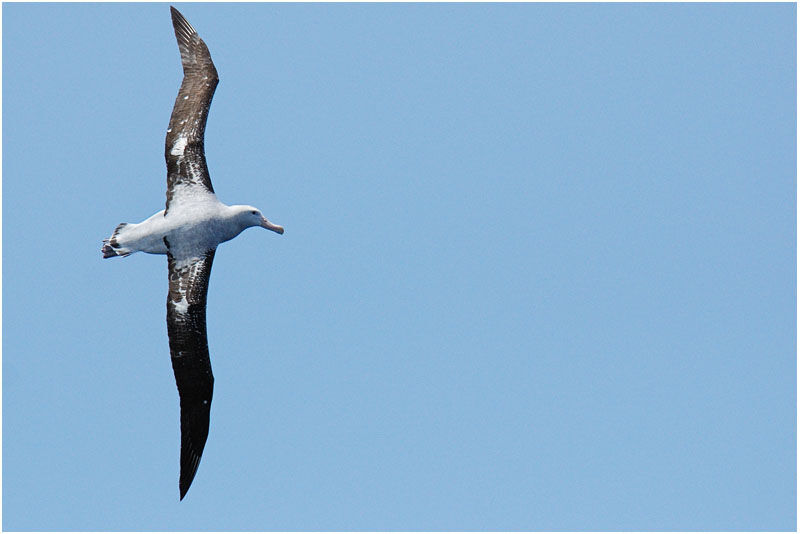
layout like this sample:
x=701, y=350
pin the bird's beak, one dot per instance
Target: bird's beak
x=269, y=226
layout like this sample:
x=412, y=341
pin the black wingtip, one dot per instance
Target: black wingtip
x=180, y=23
x=188, y=469
x=186, y=479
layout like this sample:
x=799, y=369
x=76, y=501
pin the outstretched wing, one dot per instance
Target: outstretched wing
x=188, y=345
x=187, y=173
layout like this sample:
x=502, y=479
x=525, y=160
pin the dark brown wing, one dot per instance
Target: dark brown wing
x=188, y=345
x=184, y=148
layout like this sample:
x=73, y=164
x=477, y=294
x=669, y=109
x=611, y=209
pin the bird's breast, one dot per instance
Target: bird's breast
x=195, y=231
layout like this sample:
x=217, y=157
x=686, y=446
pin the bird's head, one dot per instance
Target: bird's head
x=249, y=216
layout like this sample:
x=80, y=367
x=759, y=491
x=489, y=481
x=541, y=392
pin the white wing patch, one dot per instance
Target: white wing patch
x=179, y=146
x=181, y=306
x=186, y=263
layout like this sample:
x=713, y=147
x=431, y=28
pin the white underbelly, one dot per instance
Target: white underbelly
x=181, y=233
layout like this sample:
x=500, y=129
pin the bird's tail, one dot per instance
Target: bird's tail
x=111, y=247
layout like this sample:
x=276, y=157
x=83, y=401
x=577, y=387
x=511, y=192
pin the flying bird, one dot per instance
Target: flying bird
x=188, y=231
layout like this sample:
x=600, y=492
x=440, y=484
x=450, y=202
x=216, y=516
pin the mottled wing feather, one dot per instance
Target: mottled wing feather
x=184, y=147
x=188, y=345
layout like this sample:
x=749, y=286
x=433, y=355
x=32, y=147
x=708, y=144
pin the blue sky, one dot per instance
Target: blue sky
x=538, y=270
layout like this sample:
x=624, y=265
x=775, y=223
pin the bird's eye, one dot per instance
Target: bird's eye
x=254, y=212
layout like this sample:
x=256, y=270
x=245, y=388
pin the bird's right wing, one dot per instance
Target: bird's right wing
x=188, y=345
x=187, y=172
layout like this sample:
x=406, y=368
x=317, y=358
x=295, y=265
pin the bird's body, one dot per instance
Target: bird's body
x=188, y=231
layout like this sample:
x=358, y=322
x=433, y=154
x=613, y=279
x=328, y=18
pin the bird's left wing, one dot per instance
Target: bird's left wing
x=187, y=172
x=188, y=345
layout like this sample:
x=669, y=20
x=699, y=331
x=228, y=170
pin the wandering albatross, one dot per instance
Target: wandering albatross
x=188, y=231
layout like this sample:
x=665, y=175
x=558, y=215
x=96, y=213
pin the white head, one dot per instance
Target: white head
x=248, y=216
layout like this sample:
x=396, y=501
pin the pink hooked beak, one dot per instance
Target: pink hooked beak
x=270, y=226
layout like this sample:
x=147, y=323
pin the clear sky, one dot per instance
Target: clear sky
x=538, y=269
